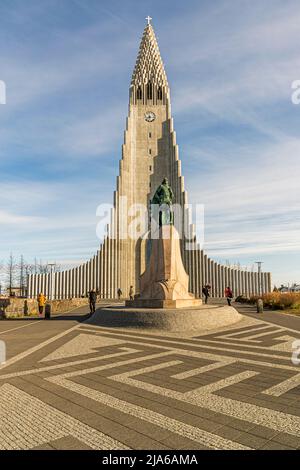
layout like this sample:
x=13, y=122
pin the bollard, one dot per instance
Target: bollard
x=47, y=312
x=260, y=306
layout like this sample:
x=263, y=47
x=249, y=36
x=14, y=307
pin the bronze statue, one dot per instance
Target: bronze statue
x=163, y=199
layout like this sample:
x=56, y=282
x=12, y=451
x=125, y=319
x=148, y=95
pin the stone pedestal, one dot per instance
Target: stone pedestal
x=164, y=284
x=190, y=321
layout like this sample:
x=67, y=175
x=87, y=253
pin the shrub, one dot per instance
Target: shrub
x=242, y=299
x=280, y=301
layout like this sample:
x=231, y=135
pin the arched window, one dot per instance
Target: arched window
x=139, y=94
x=149, y=91
x=159, y=94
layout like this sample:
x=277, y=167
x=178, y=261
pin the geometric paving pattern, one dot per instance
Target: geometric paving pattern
x=102, y=388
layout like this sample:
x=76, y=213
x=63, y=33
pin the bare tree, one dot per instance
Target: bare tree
x=42, y=268
x=24, y=270
x=11, y=273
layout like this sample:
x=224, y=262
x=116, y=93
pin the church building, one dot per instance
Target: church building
x=149, y=154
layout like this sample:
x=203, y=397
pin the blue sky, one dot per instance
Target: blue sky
x=230, y=65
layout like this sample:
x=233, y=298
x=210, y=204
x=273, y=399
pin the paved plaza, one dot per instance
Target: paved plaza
x=68, y=384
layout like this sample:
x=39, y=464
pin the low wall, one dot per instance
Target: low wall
x=14, y=307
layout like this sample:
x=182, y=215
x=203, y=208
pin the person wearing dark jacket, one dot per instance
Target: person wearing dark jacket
x=131, y=293
x=120, y=293
x=92, y=299
x=205, y=292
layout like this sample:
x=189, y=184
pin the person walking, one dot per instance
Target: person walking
x=41, y=302
x=131, y=293
x=120, y=293
x=228, y=295
x=92, y=299
x=205, y=292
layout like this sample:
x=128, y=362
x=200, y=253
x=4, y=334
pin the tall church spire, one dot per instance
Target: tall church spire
x=149, y=79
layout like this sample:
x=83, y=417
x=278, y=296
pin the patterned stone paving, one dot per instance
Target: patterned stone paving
x=89, y=387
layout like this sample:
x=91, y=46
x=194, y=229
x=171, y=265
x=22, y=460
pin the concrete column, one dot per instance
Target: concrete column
x=255, y=283
x=104, y=250
x=202, y=267
x=238, y=281
x=234, y=283
x=264, y=283
x=55, y=285
x=79, y=285
x=29, y=286
x=208, y=271
x=223, y=280
x=250, y=283
x=58, y=284
x=100, y=278
x=101, y=273
x=226, y=278
x=75, y=283
x=44, y=286
x=246, y=283
x=39, y=284
x=68, y=284
x=32, y=285
x=65, y=284
x=109, y=268
x=205, y=266
x=34, y=289
x=72, y=283
x=215, y=279
x=269, y=282
x=84, y=279
x=47, y=286
x=197, y=272
x=96, y=272
x=243, y=290
x=88, y=276
x=113, y=269
x=78, y=282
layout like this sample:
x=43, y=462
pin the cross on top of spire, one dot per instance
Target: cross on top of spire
x=149, y=66
x=148, y=18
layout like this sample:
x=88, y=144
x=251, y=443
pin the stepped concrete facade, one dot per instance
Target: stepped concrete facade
x=149, y=154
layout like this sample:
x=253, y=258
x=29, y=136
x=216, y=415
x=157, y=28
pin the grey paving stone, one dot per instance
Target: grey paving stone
x=223, y=429
x=69, y=443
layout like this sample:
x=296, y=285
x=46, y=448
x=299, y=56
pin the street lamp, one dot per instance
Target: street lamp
x=259, y=263
x=51, y=266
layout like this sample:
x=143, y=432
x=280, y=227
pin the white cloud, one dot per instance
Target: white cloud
x=7, y=218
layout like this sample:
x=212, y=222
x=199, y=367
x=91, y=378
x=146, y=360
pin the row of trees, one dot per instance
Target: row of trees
x=14, y=272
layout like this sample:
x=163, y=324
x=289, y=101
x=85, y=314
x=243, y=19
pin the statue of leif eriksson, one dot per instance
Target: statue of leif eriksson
x=161, y=204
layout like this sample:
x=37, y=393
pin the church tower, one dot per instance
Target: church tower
x=149, y=153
